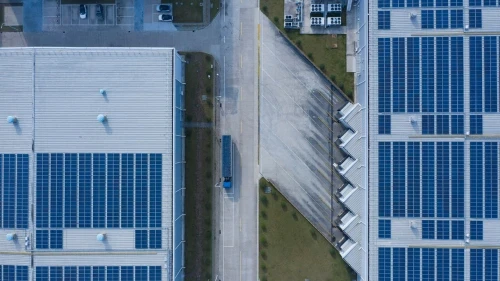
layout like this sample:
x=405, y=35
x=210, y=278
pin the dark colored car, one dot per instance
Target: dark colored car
x=83, y=11
x=164, y=8
x=99, y=12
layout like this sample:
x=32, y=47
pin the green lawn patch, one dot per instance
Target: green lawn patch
x=290, y=248
x=199, y=167
x=186, y=11
x=327, y=52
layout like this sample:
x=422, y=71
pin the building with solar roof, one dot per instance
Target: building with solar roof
x=427, y=118
x=91, y=164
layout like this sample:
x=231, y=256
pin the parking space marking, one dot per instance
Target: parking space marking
x=228, y=227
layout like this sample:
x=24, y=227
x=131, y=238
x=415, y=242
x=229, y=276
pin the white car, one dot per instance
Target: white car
x=164, y=17
x=83, y=11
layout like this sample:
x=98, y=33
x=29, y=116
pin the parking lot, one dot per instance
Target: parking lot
x=297, y=132
x=57, y=15
x=151, y=21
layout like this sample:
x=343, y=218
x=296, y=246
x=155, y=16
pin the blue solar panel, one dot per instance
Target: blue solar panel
x=428, y=264
x=155, y=193
x=476, y=74
x=443, y=264
x=443, y=124
x=457, y=264
x=384, y=20
x=457, y=72
x=398, y=179
x=155, y=239
x=141, y=273
x=398, y=264
x=98, y=273
x=476, y=264
x=398, y=75
x=490, y=74
x=413, y=179
x=442, y=74
x=22, y=273
x=428, y=177
x=490, y=3
x=42, y=239
x=56, y=239
x=442, y=19
x=442, y=3
x=475, y=3
x=384, y=3
x=457, y=124
x=113, y=273
x=476, y=124
x=127, y=273
x=384, y=228
x=413, y=269
x=412, y=3
x=99, y=190
x=457, y=230
x=113, y=191
x=384, y=179
x=491, y=264
x=127, y=204
x=22, y=191
x=457, y=20
x=491, y=180
x=384, y=264
x=70, y=190
x=428, y=229
x=42, y=273
x=476, y=180
x=476, y=230
x=475, y=18
x=413, y=73
x=154, y=273
x=85, y=190
x=141, y=190
x=9, y=272
x=427, y=19
x=384, y=75
x=141, y=239
x=56, y=273
x=457, y=180
x=443, y=230
x=427, y=3
x=443, y=179
x=9, y=191
x=84, y=273
x=428, y=124
x=56, y=190
x=456, y=3
x=428, y=74
x=384, y=124
x=70, y=273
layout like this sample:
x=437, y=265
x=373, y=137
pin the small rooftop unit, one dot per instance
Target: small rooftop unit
x=337, y=7
x=317, y=8
x=317, y=21
x=333, y=21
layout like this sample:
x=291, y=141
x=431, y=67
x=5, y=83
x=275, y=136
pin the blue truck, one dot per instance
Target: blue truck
x=227, y=161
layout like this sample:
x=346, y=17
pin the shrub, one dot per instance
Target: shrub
x=313, y=234
x=263, y=227
x=265, y=10
x=284, y=206
x=322, y=67
x=264, y=200
x=276, y=20
x=332, y=77
x=263, y=242
x=294, y=215
x=263, y=214
x=264, y=268
x=263, y=254
x=310, y=56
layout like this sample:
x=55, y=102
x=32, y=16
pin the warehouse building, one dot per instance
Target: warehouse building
x=91, y=164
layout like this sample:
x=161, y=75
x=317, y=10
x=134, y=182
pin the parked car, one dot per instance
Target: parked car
x=164, y=17
x=83, y=11
x=164, y=8
x=99, y=12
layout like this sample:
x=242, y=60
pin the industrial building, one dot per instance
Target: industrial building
x=91, y=164
x=427, y=120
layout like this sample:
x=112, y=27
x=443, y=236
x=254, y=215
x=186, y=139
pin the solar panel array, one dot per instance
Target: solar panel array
x=384, y=20
x=442, y=19
x=14, y=190
x=443, y=229
x=14, y=273
x=98, y=273
x=421, y=3
x=486, y=3
x=96, y=191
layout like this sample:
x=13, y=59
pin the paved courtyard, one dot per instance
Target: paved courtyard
x=297, y=133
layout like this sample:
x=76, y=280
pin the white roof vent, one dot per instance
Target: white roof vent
x=11, y=119
x=11, y=236
x=101, y=237
x=101, y=118
x=102, y=91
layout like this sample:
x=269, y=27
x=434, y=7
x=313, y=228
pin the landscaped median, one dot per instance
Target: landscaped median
x=327, y=52
x=199, y=165
x=290, y=248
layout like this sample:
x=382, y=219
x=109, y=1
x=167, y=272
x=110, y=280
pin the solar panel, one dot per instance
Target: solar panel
x=476, y=230
x=427, y=19
x=95, y=273
x=70, y=190
x=457, y=264
x=457, y=73
x=456, y=3
x=457, y=20
x=491, y=180
x=490, y=3
x=475, y=18
x=384, y=75
x=384, y=229
x=443, y=124
x=98, y=190
x=457, y=180
x=476, y=74
x=384, y=3
x=155, y=186
x=9, y=191
x=427, y=3
x=428, y=264
x=428, y=229
x=84, y=190
x=443, y=264
x=384, y=20
x=141, y=239
x=490, y=74
x=113, y=191
x=443, y=179
x=457, y=230
x=141, y=190
x=384, y=264
x=398, y=179
x=127, y=192
x=442, y=3
x=398, y=3
x=413, y=73
x=70, y=273
x=56, y=273
x=384, y=178
x=428, y=177
x=384, y=124
x=398, y=263
x=428, y=75
x=475, y=3
x=476, y=180
x=398, y=75
x=427, y=124
x=412, y=3
x=443, y=230
x=413, y=264
x=442, y=74
x=42, y=239
x=457, y=124
x=476, y=124
x=491, y=264
x=442, y=18
x=155, y=239
x=476, y=264
x=413, y=179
